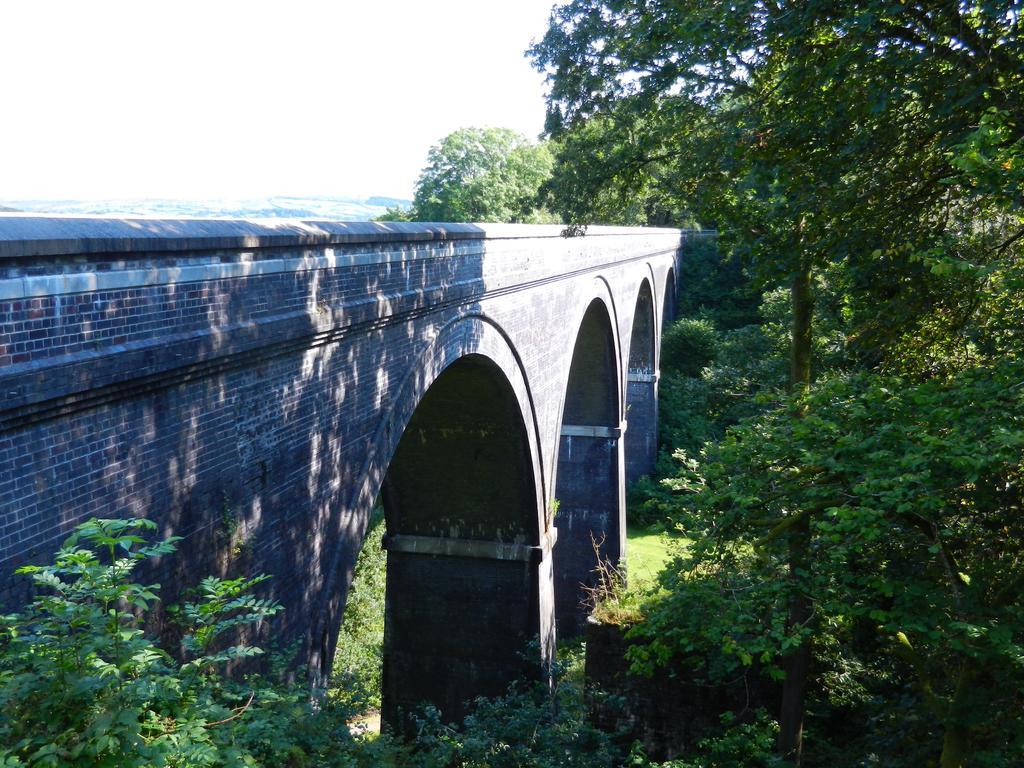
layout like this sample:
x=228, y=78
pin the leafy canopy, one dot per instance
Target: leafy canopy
x=884, y=135
x=482, y=174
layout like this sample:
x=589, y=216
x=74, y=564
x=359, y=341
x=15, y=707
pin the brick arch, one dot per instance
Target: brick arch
x=641, y=438
x=468, y=335
x=668, y=299
x=643, y=335
x=589, y=478
x=600, y=293
x=456, y=463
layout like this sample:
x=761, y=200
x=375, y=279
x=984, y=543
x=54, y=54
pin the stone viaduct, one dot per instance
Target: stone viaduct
x=255, y=387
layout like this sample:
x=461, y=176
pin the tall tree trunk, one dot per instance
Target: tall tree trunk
x=797, y=663
x=955, y=747
x=956, y=741
x=802, y=304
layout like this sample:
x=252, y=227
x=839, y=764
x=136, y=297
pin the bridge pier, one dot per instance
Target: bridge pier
x=589, y=512
x=589, y=476
x=459, y=617
x=642, y=416
x=466, y=554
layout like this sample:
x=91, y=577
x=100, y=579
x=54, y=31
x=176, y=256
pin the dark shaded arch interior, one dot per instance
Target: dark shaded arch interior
x=592, y=394
x=588, y=487
x=641, y=340
x=669, y=309
x=641, y=446
x=462, y=468
x=462, y=596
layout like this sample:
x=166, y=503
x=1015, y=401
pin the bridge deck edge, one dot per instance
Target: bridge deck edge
x=42, y=235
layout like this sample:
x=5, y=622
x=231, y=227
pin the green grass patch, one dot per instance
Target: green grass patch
x=621, y=594
x=647, y=552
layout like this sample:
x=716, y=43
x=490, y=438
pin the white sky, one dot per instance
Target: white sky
x=220, y=98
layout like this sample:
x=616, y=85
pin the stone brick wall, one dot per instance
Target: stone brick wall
x=244, y=384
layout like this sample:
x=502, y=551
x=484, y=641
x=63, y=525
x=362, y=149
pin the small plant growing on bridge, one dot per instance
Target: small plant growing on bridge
x=610, y=599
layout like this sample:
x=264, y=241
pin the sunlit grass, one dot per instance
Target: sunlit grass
x=623, y=595
x=647, y=552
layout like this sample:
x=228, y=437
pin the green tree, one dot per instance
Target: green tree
x=884, y=137
x=914, y=516
x=617, y=170
x=395, y=213
x=483, y=174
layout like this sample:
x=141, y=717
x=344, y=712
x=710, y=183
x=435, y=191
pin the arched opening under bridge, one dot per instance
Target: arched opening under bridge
x=668, y=302
x=642, y=390
x=588, y=487
x=463, y=561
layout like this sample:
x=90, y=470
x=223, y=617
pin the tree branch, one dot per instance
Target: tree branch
x=238, y=712
x=1010, y=241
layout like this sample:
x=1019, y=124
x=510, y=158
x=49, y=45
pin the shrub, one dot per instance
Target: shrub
x=528, y=727
x=911, y=491
x=688, y=345
x=82, y=684
x=356, y=674
x=749, y=744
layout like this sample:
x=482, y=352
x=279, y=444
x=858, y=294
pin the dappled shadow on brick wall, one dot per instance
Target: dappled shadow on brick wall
x=228, y=394
x=248, y=392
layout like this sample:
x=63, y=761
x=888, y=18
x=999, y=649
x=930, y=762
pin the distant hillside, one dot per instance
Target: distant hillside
x=388, y=202
x=5, y=209
x=336, y=208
